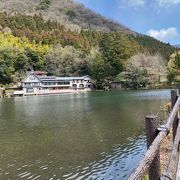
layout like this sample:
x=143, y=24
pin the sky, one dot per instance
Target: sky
x=157, y=18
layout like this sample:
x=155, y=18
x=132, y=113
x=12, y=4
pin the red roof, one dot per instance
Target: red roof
x=40, y=72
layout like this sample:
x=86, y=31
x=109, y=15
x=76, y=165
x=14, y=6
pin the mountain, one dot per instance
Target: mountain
x=177, y=46
x=64, y=38
x=67, y=12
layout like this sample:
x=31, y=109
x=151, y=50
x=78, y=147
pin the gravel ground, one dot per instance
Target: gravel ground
x=165, y=152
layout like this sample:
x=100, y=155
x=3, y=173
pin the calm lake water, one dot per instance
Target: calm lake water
x=97, y=135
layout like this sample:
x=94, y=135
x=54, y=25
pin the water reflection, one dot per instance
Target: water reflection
x=76, y=136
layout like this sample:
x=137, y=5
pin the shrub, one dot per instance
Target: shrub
x=71, y=13
x=44, y=5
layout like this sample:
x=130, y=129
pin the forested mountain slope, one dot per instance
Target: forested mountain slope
x=32, y=35
x=67, y=12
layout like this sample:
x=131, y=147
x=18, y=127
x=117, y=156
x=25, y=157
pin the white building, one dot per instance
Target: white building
x=38, y=83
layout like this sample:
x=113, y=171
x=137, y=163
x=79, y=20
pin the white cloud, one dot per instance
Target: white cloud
x=136, y=2
x=165, y=35
x=133, y=3
x=166, y=3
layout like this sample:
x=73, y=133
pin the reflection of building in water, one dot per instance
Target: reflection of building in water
x=37, y=83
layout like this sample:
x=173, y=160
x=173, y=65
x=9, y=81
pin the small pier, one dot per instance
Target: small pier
x=150, y=165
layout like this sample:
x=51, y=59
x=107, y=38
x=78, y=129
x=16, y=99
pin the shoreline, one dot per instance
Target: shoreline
x=11, y=95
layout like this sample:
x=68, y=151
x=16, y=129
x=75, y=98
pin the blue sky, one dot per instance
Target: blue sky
x=157, y=18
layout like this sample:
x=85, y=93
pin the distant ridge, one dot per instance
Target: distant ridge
x=177, y=46
x=69, y=13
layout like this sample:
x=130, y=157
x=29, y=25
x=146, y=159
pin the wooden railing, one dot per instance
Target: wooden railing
x=150, y=164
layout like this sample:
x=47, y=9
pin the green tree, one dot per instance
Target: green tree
x=177, y=61
x=66, y=61
x=98, y=71
x=6, y=65
x=21, y=62
x=34, y=59
x=116, y=49
x=71, y=13
x=174, y=68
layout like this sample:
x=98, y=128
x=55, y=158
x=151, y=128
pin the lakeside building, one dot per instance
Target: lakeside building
x=39, y=83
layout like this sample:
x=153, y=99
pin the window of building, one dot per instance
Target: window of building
x=81, y=85
x=66, y=82
x=74, y=85
x=30, y=90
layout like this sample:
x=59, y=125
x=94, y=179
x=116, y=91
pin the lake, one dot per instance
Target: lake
x=98, y=135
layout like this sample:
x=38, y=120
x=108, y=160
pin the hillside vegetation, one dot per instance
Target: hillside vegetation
x=174, y=68
x=72, y=15
x=41, y=42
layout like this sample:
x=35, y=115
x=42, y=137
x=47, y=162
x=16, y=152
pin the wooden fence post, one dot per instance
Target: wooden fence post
x=174, y=97
x=152, y=125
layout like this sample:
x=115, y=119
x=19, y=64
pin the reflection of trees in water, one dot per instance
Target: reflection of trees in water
x=102, y=133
